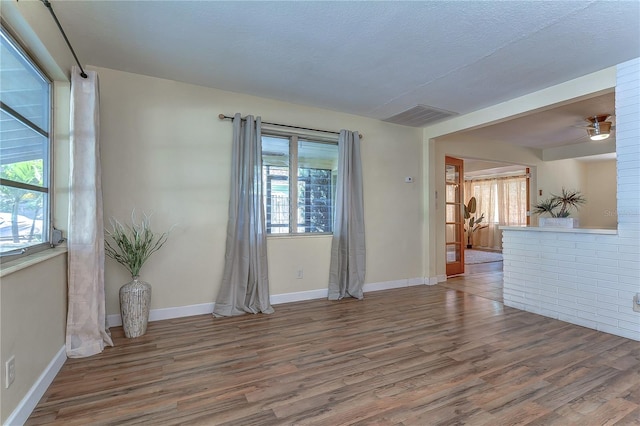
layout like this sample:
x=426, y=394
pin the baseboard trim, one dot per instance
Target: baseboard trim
x=432, y=280
x=26, y=406
x=299, y=296
x=168, y=313
x=115, y=320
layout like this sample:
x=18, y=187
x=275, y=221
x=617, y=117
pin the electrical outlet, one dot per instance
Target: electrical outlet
x=636, y=302
x=10, y=371
x=300, y=273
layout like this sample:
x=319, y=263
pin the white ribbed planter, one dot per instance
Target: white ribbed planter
x=558, y=222
x=135, y=301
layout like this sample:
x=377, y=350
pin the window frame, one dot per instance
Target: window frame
x=293, y=181
x=47, y=166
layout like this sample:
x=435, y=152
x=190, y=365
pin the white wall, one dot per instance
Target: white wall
x=588, y=279
x=164, y=151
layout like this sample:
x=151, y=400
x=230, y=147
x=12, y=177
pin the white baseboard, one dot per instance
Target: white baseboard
x=24, y=409
x=299, y=296
x=432, y=280
x=115, y=320
x=168, y=313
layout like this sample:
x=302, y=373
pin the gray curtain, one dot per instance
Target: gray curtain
x=346, y=276
x=87, y=333
x=245, y=281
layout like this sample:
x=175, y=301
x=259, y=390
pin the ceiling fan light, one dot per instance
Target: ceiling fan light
x=600, y=130
x=598, y=137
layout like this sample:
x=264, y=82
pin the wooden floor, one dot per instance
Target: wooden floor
x=424, y=355
x=483, y=279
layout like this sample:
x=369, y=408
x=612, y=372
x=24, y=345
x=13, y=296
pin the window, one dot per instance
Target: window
x=25, y=106
x=299, y=177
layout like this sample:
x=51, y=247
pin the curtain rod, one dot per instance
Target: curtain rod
x=55, y=18
x=226, y=117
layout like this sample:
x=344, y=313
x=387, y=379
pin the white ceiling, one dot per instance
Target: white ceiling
x=370, y=58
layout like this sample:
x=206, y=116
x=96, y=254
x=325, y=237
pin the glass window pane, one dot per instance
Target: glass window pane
x=453, y=194
x=317, y=171
x=19, y=142
x=23, y=88
x=24, y=150
x=452, y=234
x=451, y=212
x=453, y=253
x=22, y=218
x=275, y=175
x=451, y=174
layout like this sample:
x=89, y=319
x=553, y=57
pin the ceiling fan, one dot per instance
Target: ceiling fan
x=599, y=128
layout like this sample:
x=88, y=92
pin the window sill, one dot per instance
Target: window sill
x=293, y=236
x=12, y=266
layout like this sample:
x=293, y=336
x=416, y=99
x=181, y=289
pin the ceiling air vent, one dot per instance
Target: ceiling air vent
x=420, y=116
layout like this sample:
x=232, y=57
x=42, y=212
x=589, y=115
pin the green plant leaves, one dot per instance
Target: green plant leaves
x=132, y=245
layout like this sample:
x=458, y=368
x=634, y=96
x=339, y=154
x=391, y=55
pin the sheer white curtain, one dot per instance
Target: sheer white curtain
x=347, y=270
x=87, y=333
x=503, y=201
x=245, y=280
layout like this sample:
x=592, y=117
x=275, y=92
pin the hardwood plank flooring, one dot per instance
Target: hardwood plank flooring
x=424, y=355
x=484, y=279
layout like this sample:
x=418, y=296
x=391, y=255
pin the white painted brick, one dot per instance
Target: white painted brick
x=545, y=275
x=586, y=312
x=585, y=322
x=578, y=252
x=608, y=299
x=551, y=313
x=633, y=273
x=629, y=316
x=610, y=254
x=607, y=290
x=606, y=320
x=571, y=268
x=627, y=287
x=552, y=268
x=598, y=246
x=629, y=334
x=613, y=271
x=629, y=280
x=629, y=265
x=578, y=293
x=558, y=257
x=594, y=275
x=607, y=262
x=564, y=283
x=631, y=326
x=589, y=304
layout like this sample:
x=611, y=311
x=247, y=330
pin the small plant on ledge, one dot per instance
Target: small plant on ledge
x=560, y=205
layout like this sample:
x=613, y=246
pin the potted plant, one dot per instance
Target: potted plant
x=559, y=207
x=471, y=223
x=131, y=246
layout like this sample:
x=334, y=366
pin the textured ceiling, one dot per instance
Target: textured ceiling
x=374, y=59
